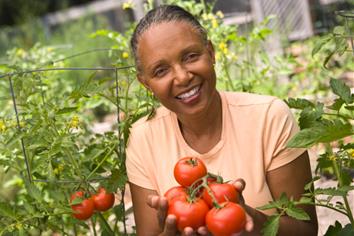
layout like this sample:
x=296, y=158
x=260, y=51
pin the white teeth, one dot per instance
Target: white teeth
x=189, y=93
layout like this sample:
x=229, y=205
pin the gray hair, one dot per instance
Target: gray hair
x=164, y=13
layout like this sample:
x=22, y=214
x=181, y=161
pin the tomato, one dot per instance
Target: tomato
x=188, y=214
x=225, y=221
x=103, y=200
x=83, y=210
x=176, y=192
x=189, y=169
x=222, y=192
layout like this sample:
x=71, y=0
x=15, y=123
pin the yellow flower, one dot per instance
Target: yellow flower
x=2, y=126
x=223, y=47
x=74, y=123
x=125, y=55
x=128, y=5
x=332, y=158
x=214, y=23
x=220, y=14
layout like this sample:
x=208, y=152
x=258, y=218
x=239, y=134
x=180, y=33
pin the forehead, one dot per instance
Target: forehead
x=163, y=38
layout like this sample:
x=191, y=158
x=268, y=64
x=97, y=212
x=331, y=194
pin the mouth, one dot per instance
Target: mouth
x=189, y=94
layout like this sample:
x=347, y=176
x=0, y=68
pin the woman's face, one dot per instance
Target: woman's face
x=177, y=66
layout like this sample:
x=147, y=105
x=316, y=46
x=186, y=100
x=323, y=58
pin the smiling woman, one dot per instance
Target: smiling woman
x=240, y=136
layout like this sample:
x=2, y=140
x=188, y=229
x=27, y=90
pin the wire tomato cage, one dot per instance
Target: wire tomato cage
x=42, y=68
x=348, y=18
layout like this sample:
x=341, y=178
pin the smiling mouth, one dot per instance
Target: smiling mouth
x=189, y=94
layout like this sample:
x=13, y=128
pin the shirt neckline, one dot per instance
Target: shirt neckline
x=216, y=147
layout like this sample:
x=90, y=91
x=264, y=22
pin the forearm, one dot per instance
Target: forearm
x=287, y=226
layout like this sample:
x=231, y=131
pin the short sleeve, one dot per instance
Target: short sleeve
x=280, y=127
x=136, y=170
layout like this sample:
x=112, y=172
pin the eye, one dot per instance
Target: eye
x=160, y=72
x=191, y=57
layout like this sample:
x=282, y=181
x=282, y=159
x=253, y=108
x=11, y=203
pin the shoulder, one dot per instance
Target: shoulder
x=144, y=125
x=243, y=99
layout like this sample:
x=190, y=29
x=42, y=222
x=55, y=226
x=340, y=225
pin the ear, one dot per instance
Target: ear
x=211, y=50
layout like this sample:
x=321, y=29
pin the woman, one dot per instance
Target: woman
x=240, y=136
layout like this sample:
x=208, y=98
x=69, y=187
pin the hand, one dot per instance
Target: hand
x=240, y=185
x=168, y=222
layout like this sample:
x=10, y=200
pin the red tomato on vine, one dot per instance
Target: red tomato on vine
x=176, y=192
x=83, y=210
x=227, y=220
x=222, y=193
x=189, y=214
x=189, y=169
x=103, y=200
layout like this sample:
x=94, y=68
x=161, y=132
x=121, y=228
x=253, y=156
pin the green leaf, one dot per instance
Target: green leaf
x=33, y=191
x=342, y=90
x=66, y=110
x=271, y=226
x=337, y=104
x=305, y=200
x=309, y=117
x=268, y=206
x=319, y=44
x=338, y=230
x=299, y=103
x=322, y=133
x=297, y=213
x=7, y=211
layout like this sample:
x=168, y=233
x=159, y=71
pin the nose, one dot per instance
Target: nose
x=182, y=76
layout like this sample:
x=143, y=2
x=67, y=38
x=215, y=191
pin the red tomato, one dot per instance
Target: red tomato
x=188, y=214
x=176, y=192
x=225, y=221
x=189, y=169
x=83, y=210
x=222, y=192
x=103, y=200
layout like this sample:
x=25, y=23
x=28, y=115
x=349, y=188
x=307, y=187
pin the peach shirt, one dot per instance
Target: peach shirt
x=255, y=131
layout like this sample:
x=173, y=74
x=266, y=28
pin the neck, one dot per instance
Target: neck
x=207, y=123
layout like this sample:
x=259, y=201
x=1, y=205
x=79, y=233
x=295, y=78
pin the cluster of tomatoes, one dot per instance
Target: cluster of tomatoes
x=83, y=207
x=202, y=199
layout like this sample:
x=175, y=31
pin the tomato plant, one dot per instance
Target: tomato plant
x=230, y=218
x=85, y=208
x=103, y=200
x=189, y=213
x=222, y=192
x=176, y=192
x=188, y=170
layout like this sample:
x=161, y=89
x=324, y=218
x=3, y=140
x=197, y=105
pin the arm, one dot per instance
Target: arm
x=149, y=221
x=291, y=179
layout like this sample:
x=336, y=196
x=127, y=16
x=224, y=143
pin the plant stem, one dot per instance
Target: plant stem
x=340, y=183
x=105, y=224
x=99, y=165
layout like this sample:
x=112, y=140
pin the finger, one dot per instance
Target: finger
x=240, y=184
x=153, y=201
x=249, y=223
x=203, y=231
x=188, y=231
x=170, y=225
x=162, y=209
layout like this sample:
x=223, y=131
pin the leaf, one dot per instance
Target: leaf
x=7, y=211
x=268, y=206
x=322, y=133
x=271, y=226
x=299, y=103
x=297, y=213
x=338, y=102
x=66, y=110
x=338, y=230
x=309, y=117
x=319, y=44
x=33, y=191
x=342, y=90
x=332, y=191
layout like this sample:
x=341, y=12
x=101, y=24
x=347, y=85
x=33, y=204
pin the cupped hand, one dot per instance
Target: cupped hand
x=168, y=223
x=240, y=185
